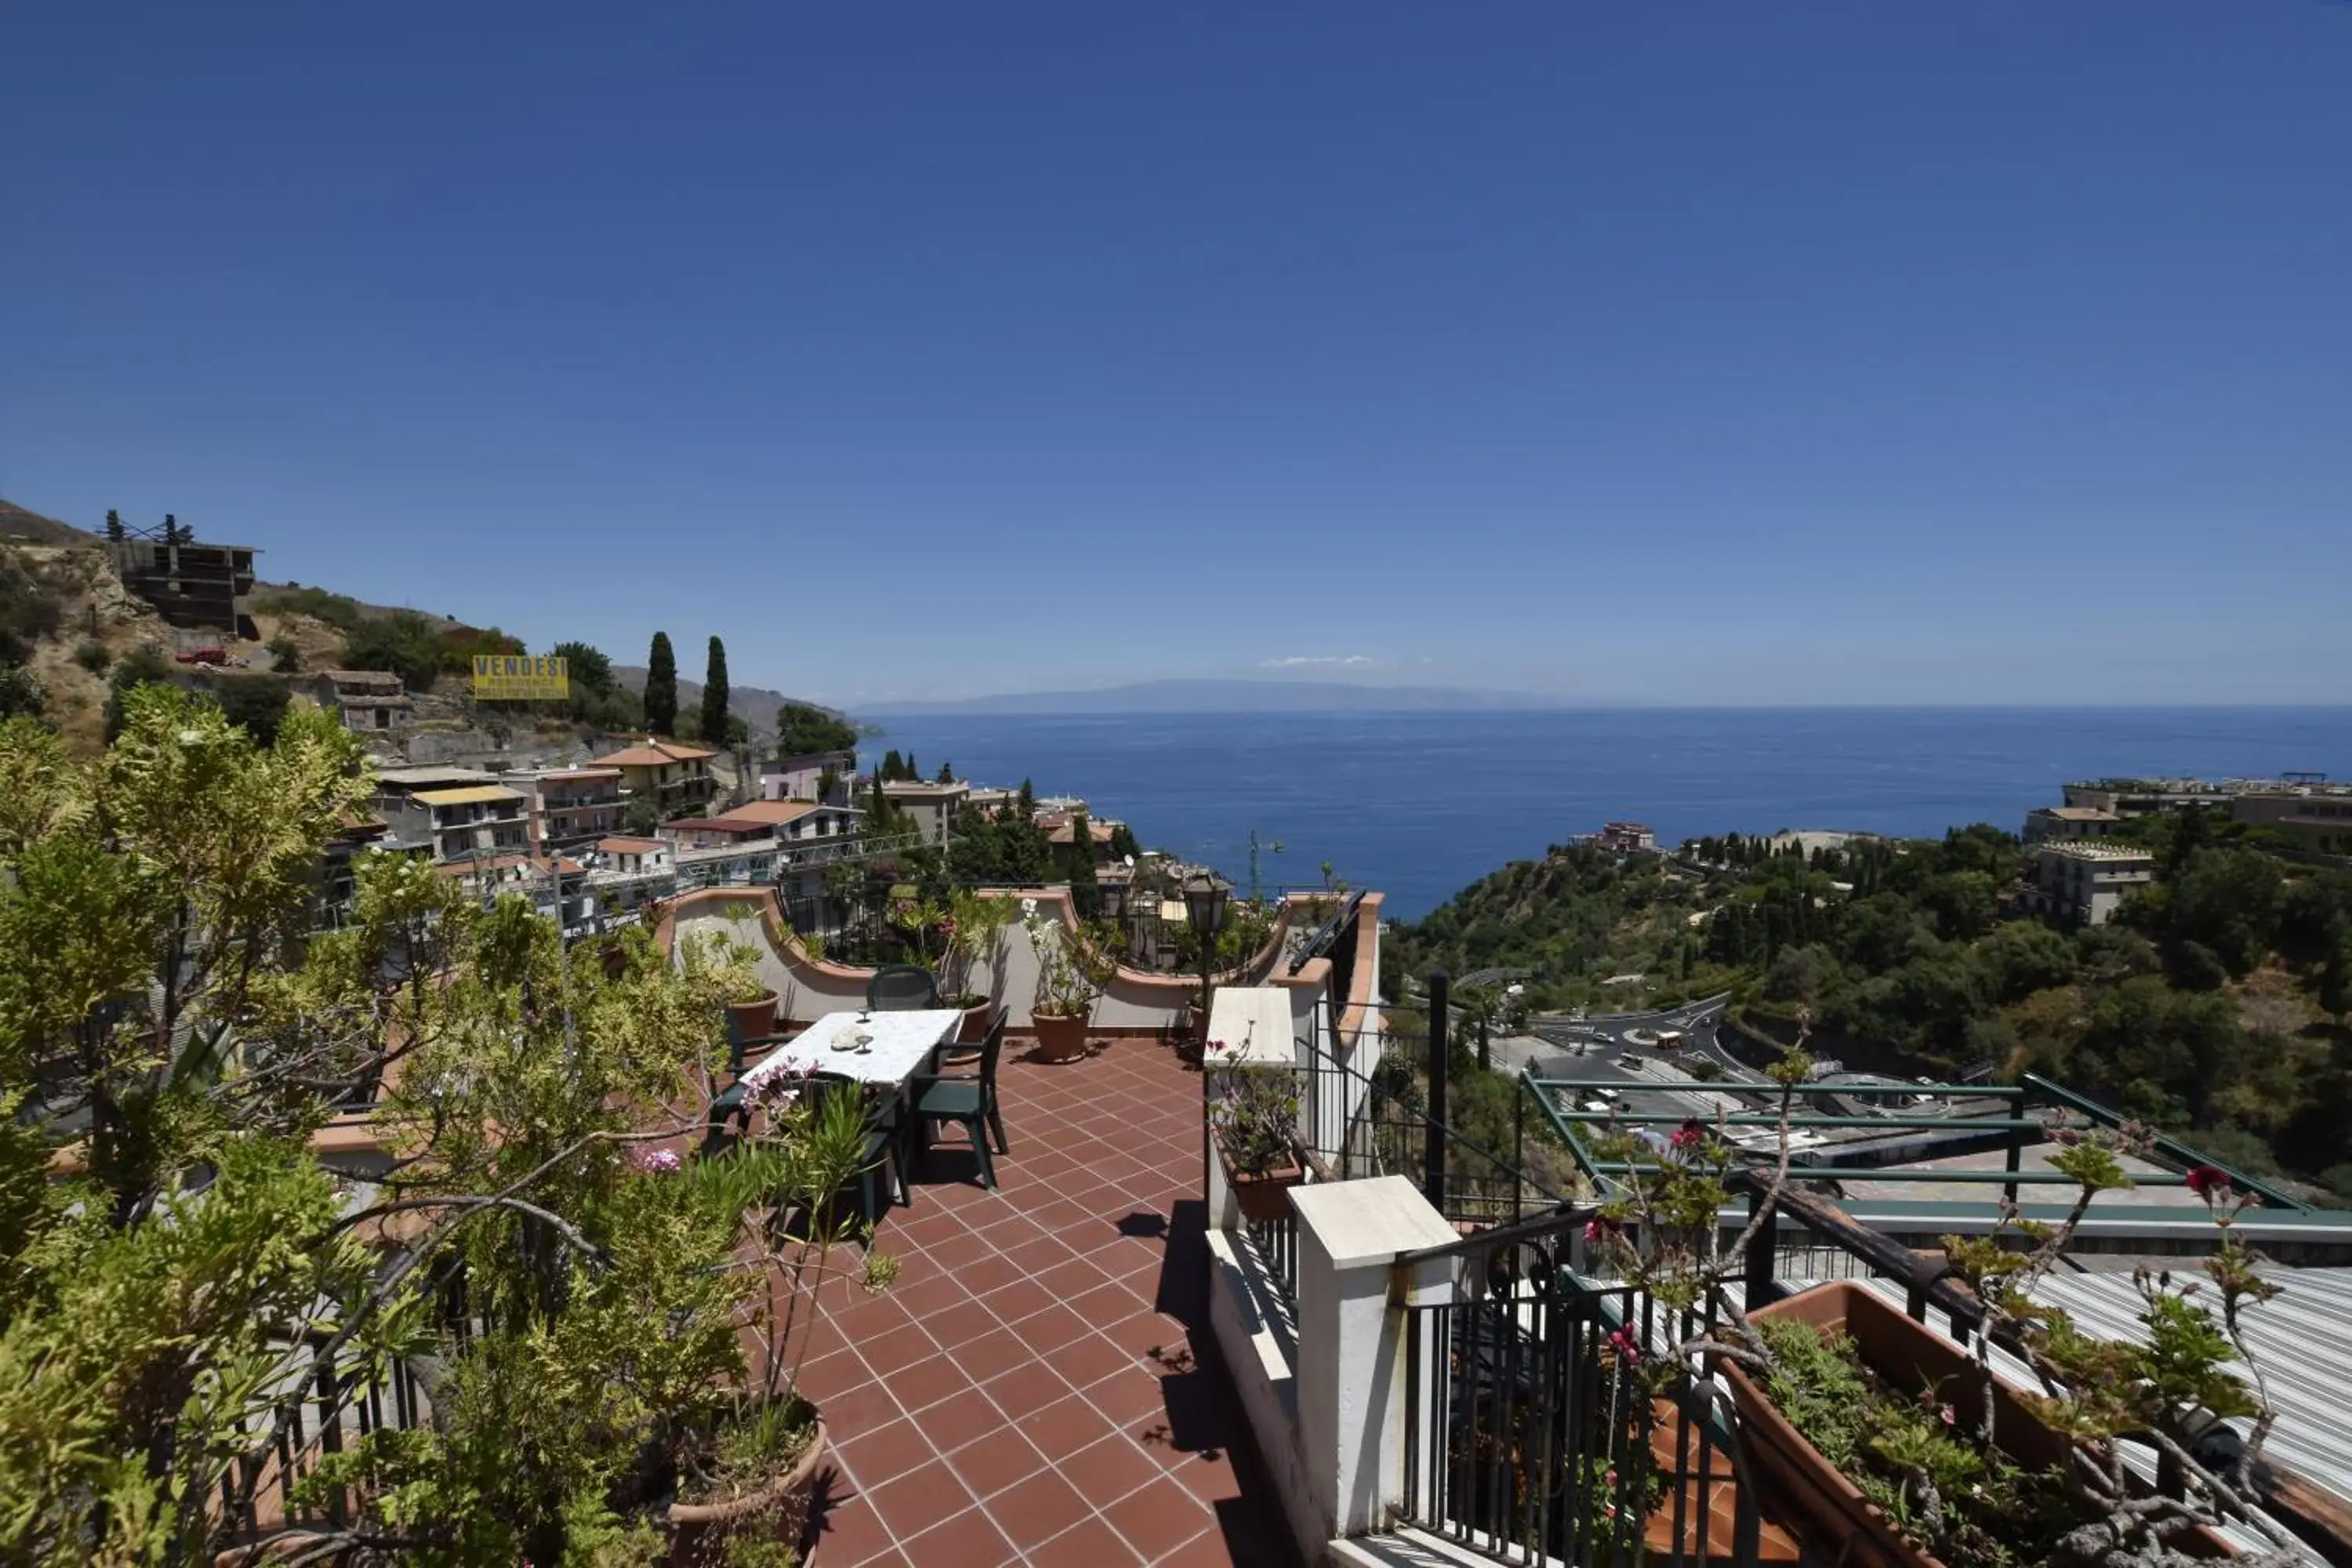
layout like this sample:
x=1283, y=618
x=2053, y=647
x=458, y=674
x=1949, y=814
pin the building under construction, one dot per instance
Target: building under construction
x=201, y=586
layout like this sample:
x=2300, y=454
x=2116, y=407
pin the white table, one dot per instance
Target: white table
x=902, y=1043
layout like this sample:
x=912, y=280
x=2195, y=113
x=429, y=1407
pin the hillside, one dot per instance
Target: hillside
x=67, y=622
x=756, y=705
x=31, y=527
x=2219, y=1004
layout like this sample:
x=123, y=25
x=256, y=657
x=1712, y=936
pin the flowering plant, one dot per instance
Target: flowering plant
x=1252, y=1111
x=1070, y=975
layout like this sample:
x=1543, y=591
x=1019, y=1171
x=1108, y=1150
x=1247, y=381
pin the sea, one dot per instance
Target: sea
x=1420, y=805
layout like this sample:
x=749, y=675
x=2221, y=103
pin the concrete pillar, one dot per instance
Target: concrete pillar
x=1351, y=1339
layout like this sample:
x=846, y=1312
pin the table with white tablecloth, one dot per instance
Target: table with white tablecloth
x=897, y=1046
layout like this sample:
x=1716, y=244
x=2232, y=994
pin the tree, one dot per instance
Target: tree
x=180, y=1279
x=142, y=666
x=947, y=773
x=714, y=696
x=285, y=654
x=403, y=642
x=2335, y=972
x=661, y=686
x=587, y=667
x=803, y=731
x=256, y=702
x=1123, y=845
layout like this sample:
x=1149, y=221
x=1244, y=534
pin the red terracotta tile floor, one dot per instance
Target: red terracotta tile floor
x=1040, y=1387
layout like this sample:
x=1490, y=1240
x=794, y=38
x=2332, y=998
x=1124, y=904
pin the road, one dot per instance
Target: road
x=1622, y=1048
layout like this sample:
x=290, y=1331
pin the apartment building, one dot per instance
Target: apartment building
x=2086, y=881
x=555, y=884
x=712, y=832
x=2145, y=797
x=822, y=777
x=571, y=807
x=2048, y=823
x=674, y=776
x=2313, y=818
x=932, y=805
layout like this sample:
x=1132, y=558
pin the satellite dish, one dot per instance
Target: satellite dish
x=1130, y=861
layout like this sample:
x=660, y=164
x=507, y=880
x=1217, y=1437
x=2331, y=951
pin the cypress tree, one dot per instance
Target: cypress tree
x=661, y=686
x=714, y=696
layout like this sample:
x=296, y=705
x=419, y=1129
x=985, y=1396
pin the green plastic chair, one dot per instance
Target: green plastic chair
x=880, y=1155
x=969, y=1102
x=901, y=988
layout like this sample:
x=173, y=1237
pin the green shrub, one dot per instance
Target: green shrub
x=337, y=610
x=93, y=657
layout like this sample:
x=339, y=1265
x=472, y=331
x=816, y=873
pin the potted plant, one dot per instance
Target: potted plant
x=1254, y=1117
x=744, y=1467
x=1901, y=1444
x=972, y=925
x=1070, y=979
x=728, y=963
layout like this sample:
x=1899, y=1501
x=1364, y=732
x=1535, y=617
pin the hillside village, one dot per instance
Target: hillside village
x=595, y=806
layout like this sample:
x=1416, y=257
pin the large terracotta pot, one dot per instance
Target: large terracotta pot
x=974, y=1027
x=1060, y=1040
x=1264, y=1196
x=1910, y=1356
x=756, y=1019
x=699, y=1532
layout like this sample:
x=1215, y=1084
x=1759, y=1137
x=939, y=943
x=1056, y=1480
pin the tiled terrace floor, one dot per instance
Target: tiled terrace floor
x=1033, y=1389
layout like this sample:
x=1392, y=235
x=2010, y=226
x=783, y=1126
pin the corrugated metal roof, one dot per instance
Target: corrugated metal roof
x=2302, y=1339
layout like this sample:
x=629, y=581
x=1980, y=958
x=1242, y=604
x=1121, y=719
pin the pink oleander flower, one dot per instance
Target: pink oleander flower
x=655, y=1161
x=1689, y=1136
x=1593, y=1231
x=2208, y=1182
x=1628, y=1349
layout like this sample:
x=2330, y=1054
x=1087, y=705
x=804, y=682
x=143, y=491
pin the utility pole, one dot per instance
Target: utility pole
x=1432, y=1153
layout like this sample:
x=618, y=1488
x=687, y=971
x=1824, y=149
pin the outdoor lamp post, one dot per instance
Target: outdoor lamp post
x=1204, y=905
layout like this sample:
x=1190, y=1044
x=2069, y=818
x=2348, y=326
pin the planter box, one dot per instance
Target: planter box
x=1847, y=1526
x=1060, y=1040
x=1264, y=1196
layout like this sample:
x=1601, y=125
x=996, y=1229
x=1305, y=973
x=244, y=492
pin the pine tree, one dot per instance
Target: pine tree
x=714, y=696
x=947, y=773
x=889, y=768
x=114, y=530
x=661, y=686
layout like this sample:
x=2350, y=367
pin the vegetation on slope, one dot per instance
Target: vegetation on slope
x=2216, y=1004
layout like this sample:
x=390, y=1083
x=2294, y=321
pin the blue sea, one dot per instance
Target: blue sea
x=1420, y=805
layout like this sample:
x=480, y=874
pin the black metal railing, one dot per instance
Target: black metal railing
x=1363, y=1120
x=1276, y=1241
x=1537, y=1426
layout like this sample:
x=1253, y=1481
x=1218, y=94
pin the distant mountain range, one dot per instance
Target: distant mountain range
x=1223, y=697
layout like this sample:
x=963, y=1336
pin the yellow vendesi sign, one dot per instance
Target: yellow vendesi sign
x=521, y=678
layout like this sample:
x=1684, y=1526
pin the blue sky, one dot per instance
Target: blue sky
x=1703, y=352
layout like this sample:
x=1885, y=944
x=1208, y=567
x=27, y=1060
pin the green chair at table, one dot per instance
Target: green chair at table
x=968, y=1102
x=731, y=1104
x=879, y=1158
x=901, y=988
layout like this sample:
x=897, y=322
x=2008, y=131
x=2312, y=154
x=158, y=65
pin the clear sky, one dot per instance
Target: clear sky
x=1987, y=350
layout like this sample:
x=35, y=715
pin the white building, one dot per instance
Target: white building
x=2086, y=882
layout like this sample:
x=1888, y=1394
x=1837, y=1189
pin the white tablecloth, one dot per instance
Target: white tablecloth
x=902, y=1043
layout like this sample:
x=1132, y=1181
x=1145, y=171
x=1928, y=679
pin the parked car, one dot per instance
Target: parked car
x=201, y=656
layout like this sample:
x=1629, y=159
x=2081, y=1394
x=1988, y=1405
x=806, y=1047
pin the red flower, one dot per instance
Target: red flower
x=1690, y=1136
x=2208, y=1181
x=1628, y=1349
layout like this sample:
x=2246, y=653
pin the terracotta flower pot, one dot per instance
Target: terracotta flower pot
x=974, y=1027
x=756, y=1019
x=1264, y=1194
x=699, y=1532
x=1910, y=1356
x=1060, y=1040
